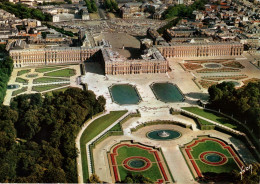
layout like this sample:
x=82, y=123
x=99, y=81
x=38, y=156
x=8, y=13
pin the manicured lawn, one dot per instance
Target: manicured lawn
x=95, y=128
x=21, y=80
x=61, y=73
x=208, y=146
x=48, y=80
x=125, y=152
x=50, y=93
x=48, y=69
x=47, y=87
x=213, y=146
x=227, y=167
x=212, y=116
x=16, y=92
x=204, y=122
x=223, y=156
x=117, y=127
x=153, y=172
x=21, y=72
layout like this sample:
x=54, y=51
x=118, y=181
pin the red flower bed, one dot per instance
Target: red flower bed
x=155, y=152
x=188, y=150
x=147, y=165
x=202, y=158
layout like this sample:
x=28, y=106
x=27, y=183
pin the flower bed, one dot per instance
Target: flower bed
x=196, y=153
x=191, y=66
x=206, y=84
x=209, y=70
x=121, y=155
x=234, y=64
x=220, y=78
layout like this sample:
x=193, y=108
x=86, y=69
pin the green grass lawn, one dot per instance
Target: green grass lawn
x=47, y=87
x=153, y=172
x=48, y=80
x=212, y=116
x=62, y=73
x=50, y=93
x=229, y=166
x=117, y=127
x=208, y=146
x=16, y=92
x=95, y=128
x=213, y=146
x=21, y=72
x=21, y=80
x=47, y=69
x=125, y=152
x=204, y=122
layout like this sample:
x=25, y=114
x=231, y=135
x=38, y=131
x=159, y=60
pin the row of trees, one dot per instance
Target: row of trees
x=182, y=10
x=61, y=30
x=6, y=68
x=37, y=135
x=111, y=5
x=24, y=12
x=91, y=5
x=243, y=103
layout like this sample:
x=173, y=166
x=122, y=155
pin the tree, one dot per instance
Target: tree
x=47, y=128
x=93, y=6
x=94, y=179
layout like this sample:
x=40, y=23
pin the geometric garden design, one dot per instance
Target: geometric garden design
x=127, y=157
x=206, y=154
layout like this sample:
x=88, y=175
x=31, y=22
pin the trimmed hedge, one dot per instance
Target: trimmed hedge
x=149, y=123
x=199, y=123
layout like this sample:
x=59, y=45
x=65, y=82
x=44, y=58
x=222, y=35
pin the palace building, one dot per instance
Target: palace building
x=201, y=49
x=152, y=62
x=54, y=55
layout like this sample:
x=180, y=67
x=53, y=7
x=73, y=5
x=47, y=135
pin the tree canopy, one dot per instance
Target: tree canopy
x=111, y=5
x=181, y=10
x=243, y=103
x=6, y=68
x=24, y=12
x=37, y=135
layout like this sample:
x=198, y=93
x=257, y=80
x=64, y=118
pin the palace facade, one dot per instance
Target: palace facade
x=201, y=49
x=56, y=55
x=114, y=64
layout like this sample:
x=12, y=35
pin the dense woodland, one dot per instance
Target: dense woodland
x=6, y=68
x=37, y=135
x=111, y=5
x=181, y=10
x=91, y=5
x=23, y=12
x=243, y=103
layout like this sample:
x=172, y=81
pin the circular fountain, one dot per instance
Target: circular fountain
x=163, y=134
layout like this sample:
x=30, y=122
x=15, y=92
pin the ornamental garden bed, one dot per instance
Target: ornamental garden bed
x=209, y=70
x=127, y=157
x=234, y=64
x=207, y=61
x=206, y=84
x=207, y=154
x=191, y=66
x=220, y=78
